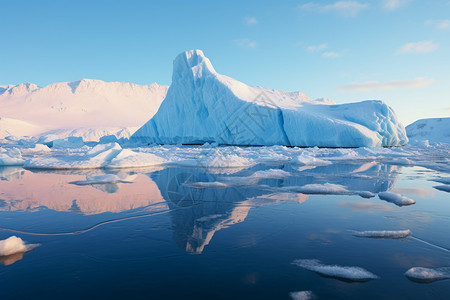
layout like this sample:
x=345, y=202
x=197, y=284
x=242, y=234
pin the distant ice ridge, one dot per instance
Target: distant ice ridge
x=204, y=106
x=85, y=108
x=13, y=245
x=397, y=199
x=383, y=234
x=426, y=275
x=434, y=130
x=335, y=271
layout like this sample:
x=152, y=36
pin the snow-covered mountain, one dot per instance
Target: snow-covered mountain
x=436, y=130
x=204, y=106
x=93, y=105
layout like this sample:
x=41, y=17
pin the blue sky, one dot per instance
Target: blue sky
x=394, y=50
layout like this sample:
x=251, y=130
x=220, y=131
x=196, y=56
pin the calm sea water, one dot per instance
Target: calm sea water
x=160, y=237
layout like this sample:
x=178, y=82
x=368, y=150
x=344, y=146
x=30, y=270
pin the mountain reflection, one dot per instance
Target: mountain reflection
x=196, y=213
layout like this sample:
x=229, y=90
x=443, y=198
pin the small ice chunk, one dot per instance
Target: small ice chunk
x=130, y=159
x=13, y=245
x=445, y=187
x=11, y=157
x=383, y=234
x=324, y=189
x=302, y=295
x=307, y=160
x=214, y=184
x=100, y=179
x=426, y=275
x=397, y=199
x=366, y=194
x=339, y=272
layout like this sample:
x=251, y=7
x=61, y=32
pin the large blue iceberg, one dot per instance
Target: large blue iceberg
x=204, y=106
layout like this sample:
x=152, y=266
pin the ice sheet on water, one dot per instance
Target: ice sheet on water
x=445, y=187
x=324, y=189
x=100, y=179
x=302, y=295
x=397, y=199
x=339, y=272
x=14, y=245
x=426, y=275
x=383, y=234
x=11, y=157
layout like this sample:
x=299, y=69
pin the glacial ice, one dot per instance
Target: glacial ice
x=11, y=157
x=435, y=130
x=383, y=234
x=395, y=198
x=335, y=271
x=203, y=106
x=426, y=275
x=14, y=245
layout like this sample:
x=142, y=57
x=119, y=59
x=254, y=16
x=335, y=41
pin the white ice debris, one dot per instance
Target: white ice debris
x=203, y=106
x=326, y=188
x=445, y=187
x=397, y=199
x=11, y=157
x=335, y=271
x=383, y=234
x=100, y=179
x=14, y=245
x=306, y=160
x=426, y=275
x=302, y=295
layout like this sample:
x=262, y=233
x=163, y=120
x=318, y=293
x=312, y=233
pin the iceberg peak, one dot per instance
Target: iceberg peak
x=192, y=62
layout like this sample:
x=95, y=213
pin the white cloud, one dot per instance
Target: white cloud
x=418, y=47
x=388, y=85
x=392, y=5
x=439, y=24
x=246, y=43
x=345, y=8
x=444, y=24
x=317, y=48
x=250, y=21
x=331, y=54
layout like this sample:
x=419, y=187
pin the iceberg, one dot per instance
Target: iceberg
x=203, y=106
x=397, y=199
x=433, y=130
x=427, y=275
x=13, y=245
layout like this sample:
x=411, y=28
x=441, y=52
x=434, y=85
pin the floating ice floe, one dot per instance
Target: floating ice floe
x=306, y=160
x=14, y=245
x=302, y=295
x=213, y=184
x=397, y=199
x=383, y=234
x=324, y=189
x=445, y=187
x=11, y=157
x=366, y=194
x=100, y=179
x=335, y=271
x=426, y=275
x=101, y=156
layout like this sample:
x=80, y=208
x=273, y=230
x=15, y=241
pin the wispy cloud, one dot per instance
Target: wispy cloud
x=331, y=54
x=418, y=47
x=345, y=8
x=250, y=21
x=392, y=5
x=317, y=48
x=439, y=24
x=388, y=85
x=246, y=43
